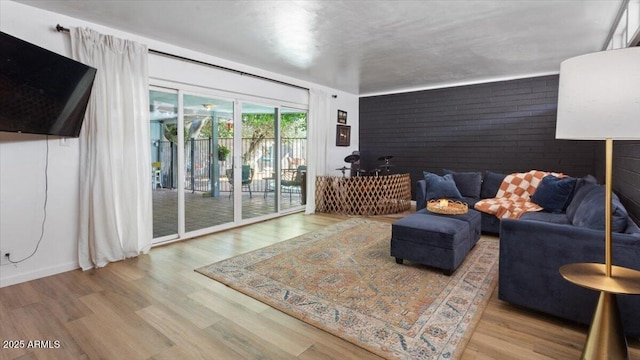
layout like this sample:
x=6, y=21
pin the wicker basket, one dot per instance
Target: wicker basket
x=449, y=207
x=363, y=195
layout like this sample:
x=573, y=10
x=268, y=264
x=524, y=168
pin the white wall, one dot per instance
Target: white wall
x=23, y=157
x=336, y=155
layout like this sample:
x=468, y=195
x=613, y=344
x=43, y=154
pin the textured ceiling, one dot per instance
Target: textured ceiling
x=366, y=47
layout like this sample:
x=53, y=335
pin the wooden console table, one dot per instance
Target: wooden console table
x=363, y=195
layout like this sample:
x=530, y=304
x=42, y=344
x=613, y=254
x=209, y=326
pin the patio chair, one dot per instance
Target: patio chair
x=156, y=174
x=291, y=180
x=247, y=178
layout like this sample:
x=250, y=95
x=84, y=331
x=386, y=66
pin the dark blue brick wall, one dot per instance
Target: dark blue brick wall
x=505, y=126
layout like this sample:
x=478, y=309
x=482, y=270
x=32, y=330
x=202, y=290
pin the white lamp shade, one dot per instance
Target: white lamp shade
x=599, y=96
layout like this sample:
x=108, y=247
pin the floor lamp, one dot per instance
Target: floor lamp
x=599, y=99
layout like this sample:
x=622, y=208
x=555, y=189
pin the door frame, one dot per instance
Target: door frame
x=183, y=89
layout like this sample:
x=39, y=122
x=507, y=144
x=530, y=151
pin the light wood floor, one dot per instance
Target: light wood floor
x=157, y=307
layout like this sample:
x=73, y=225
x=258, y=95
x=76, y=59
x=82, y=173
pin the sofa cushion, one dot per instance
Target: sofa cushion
x=439, y=187
x=554, y=218
x=468, y=183
x=587, y=179
x=578, y=197
x=471, y=202
x=553, y=193
x=590, y=213
x=580, y=182
x=491, y=184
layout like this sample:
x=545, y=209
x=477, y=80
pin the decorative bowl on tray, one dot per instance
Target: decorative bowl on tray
x=449, y=207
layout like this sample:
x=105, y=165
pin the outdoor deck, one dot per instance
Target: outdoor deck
x=202, y=211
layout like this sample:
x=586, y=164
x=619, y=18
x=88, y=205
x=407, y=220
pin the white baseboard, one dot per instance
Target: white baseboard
x=37, y=274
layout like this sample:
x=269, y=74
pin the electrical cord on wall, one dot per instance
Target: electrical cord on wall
x=44, y=218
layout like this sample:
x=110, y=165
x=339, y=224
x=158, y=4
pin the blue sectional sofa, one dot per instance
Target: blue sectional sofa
x=534, y=247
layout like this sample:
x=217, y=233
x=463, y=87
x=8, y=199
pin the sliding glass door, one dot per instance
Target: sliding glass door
x=206, y=203
x=258, y=155
x=217, y=162
x=293, y=160
x=163, y=169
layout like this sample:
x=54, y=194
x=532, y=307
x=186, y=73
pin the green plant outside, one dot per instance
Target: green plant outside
x=223, y=152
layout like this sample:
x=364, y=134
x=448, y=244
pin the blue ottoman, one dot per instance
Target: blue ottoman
x=440, y=241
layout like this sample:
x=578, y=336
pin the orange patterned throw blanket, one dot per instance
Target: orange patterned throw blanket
x=513, y=197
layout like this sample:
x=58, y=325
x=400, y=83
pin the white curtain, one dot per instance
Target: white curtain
x=115, y=161
x=319, y=107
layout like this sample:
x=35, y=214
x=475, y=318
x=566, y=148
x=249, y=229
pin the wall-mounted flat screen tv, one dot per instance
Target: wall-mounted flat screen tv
x=41, y=92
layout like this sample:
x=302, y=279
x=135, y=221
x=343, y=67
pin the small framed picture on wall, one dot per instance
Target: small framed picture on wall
x=342, y=117
x=343, y=135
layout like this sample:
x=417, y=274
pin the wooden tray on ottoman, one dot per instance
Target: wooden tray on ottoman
x=448, y=207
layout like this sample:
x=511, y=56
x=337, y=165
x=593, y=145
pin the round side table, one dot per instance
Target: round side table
x=606, y=337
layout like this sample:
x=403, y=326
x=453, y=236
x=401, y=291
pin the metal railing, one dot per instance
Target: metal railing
x=202, y=164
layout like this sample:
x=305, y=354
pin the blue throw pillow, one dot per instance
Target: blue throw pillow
x=441, y=187
x=590, y=212
x=468, y=183
x=553, y=193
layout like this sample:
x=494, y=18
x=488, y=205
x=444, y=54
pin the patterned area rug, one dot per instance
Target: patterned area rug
x=342, y=279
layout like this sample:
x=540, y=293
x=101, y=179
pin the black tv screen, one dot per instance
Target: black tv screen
x=41, y=92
